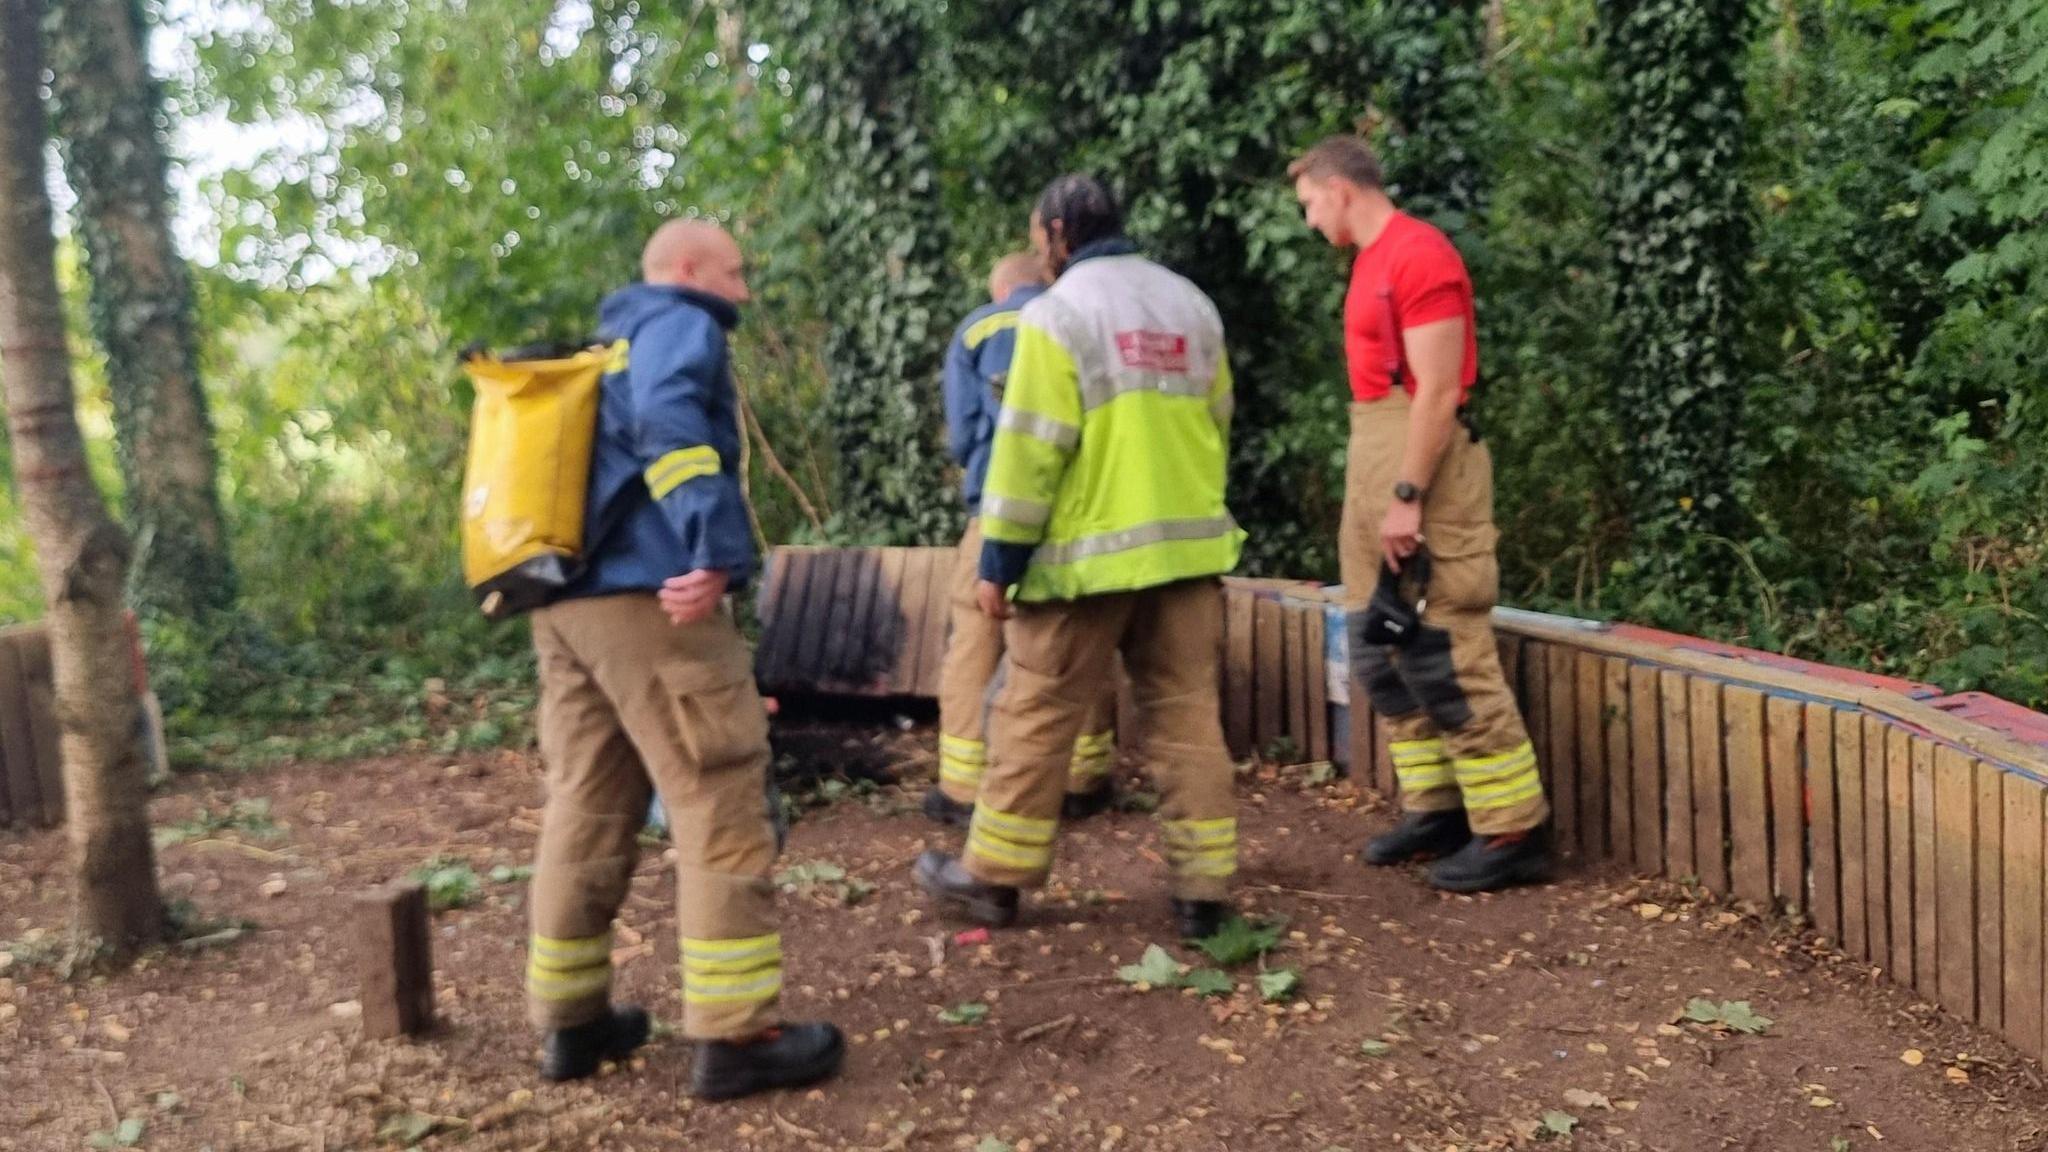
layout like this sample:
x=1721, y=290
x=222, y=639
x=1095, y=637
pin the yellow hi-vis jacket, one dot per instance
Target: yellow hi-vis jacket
x=1112, y=446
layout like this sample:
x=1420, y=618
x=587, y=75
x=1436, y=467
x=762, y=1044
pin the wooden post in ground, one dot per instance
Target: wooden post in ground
x=395, y=957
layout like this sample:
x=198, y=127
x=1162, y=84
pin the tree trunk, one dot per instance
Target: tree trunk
x=81, y=552
x=107, y=108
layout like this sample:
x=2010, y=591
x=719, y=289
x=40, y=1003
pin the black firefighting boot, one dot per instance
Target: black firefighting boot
x=573, y=1053
x=960, y=894
x=940, y=808
x=1198, y=919
x=1490, y=863
x=1420, y=836
x=791, y=1056
x=1093, y=802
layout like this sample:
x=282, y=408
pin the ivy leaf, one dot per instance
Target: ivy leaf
x=1740, y=1016
x=1156, y=969
x=1280, y=984
x=1374, y=1048
x=1735, y=1015
x=408, y=1128
x=1210, y=982
x=970, y=1012
x=991, y=1144
x=1559, y=1123
x=1239, y=941
x=1698, y=1011
x=807, y=874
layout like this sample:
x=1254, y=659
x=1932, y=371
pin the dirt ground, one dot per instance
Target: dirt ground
x=1423, y=1022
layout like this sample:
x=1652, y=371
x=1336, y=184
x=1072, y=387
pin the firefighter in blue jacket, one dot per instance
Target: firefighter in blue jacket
x=646, y=684
x=977, y=364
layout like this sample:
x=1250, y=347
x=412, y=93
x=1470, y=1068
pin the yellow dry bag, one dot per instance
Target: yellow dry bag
x=530, y=436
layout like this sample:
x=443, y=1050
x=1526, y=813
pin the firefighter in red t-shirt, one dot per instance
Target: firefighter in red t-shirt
x=1418, y=532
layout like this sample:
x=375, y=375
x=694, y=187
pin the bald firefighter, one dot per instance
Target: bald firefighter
x=1105, y=532
x=1418, y=530
x=977, y=365
x=646, y=684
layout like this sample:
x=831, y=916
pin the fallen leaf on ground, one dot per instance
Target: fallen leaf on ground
x=1913, y=1057
x=1734, y=1015
x=1279, y=985
x=971, y=1012
x=1240, y=941
x=1580, y=1098
x=1155, y=969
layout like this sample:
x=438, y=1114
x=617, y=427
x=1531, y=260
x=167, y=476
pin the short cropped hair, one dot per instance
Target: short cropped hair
x=1346, y=157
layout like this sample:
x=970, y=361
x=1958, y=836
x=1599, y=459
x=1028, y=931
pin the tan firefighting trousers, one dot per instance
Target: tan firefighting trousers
x=629, y=701
x=1456, y=734
x=974, y=649
x=1061, y=657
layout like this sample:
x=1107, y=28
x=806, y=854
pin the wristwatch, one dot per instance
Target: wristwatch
x=1406, y=493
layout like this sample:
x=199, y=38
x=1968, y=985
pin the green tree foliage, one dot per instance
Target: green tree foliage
x=1680, y=233
x=872, y=197
x=1884, y=444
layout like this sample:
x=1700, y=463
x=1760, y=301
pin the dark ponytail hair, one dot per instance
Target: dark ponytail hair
x=1087, y=211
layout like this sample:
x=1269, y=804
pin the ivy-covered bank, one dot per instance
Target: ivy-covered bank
x=1762, y=287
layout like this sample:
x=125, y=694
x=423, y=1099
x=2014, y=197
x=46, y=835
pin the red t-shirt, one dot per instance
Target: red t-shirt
x=1410, y=276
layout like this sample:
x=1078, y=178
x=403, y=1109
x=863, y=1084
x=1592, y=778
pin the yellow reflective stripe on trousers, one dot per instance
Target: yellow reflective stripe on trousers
x=1421, y=765
x=732, y=990
x=1202, y=847
x=954, y=770
x=1011, y=841
x=562, y=955
x=555, y=986
x=1094, y=752
x=664, y=475
x=1095, y=743
x=715, y=950
x=746, y=970
x=1500, y=781
x=962, y=761
x=1406, y=753
x=568, y=969
x=1427, y=778
x=960, y=747
x=737, y=964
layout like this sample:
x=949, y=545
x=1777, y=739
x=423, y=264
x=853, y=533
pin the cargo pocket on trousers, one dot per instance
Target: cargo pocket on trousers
x=720, y=724
x=1464, y=569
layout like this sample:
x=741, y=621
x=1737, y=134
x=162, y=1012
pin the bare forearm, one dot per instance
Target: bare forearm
x=1432, y=418
x=1436, y=357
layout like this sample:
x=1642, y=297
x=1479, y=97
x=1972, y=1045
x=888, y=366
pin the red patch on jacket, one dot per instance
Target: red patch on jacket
x=1153, y=351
